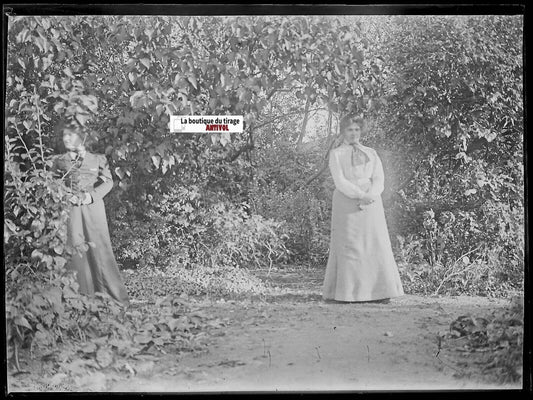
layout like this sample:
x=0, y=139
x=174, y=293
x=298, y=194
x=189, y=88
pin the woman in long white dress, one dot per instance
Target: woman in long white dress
x=361, y=265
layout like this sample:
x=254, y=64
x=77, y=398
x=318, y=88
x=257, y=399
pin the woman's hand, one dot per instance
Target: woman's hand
x=368, y=199
x=87, y=199
x=75, y=200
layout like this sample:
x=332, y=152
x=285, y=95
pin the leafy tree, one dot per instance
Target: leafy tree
x=452, y=108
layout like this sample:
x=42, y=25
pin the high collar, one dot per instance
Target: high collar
x=354, y=145
x=77, y=154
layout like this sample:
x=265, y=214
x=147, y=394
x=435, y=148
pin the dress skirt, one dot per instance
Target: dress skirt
x=96, y=269
x=361, y=264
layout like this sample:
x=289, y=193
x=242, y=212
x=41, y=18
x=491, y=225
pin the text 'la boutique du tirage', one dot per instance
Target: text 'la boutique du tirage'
x=206, y=123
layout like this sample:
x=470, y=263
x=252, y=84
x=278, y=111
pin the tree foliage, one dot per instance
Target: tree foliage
x=452, y=109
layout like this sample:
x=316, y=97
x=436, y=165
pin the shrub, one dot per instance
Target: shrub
x=306, y=215
x=457, y=253
x=35, y=251
x=498, y=337
x=181, y=229
x=43, y=307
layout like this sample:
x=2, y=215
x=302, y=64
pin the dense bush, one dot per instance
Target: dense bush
x=456, y=129
x=35, y=248
x=181, y=229
x=307, y=218
x=461, y=253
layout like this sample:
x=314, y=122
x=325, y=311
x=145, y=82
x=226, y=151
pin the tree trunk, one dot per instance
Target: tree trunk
x=330, y=122
x=304, y=122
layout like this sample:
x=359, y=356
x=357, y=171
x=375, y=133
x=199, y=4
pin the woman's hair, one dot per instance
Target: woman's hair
x=63, y=124
x=350, y=119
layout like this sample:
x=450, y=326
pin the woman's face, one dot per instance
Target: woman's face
x=352, y=133
x=71, y=139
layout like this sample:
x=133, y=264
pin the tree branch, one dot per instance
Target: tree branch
x=248, y=146
x=324, y=164
x=304, y=122
x=285, y=115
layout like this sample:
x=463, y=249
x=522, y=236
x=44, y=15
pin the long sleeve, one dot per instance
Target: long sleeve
x=378, y=177
x=106, y=180
x=341, y=183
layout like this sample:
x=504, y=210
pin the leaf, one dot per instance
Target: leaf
x=213, y=104
x=68, y=72
x=134, y=98
x=192, y=80
x=58, y=107
x=175, y=323
x=145, y=62
x=82, y=118
x=54, y=295
x=41, y=43
x=156, y=160
x=225, y=138
x=89, y=348
x=104, y=357
x=23, y=36
x=225, y=101
x=119, y=172
x=60, y=261
x=59, y=249
x=149, y=33
x=215, y=137
x=22, y=321
x=142, y=339
x=36, y=254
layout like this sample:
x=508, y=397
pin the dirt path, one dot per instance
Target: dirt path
x=291, y=340
x=300, y=343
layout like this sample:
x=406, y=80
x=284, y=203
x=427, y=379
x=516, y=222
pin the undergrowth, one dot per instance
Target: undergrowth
x=145, y=284
x=494, y=342
x=105, y=337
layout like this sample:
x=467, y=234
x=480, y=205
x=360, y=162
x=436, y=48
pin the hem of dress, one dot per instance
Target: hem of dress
x=378, y=298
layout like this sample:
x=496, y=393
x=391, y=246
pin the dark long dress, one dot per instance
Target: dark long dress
x=96, y=269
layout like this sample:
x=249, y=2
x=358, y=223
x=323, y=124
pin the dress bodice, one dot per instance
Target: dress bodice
x=353, y=177
x=90, y=174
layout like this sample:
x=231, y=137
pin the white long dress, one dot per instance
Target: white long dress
x=361, y=265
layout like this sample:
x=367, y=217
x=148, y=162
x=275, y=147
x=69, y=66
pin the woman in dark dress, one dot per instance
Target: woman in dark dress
x=89, y=177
